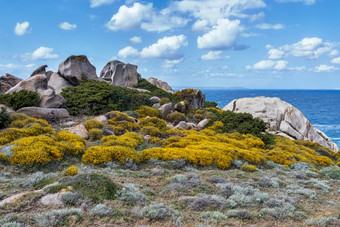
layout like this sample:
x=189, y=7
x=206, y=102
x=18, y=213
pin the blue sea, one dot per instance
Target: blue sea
x=320, y=107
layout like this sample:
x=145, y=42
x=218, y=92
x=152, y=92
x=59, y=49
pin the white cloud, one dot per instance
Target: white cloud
x=310, y=48
x=135, y=39
x=22, y=28
x=11, y=66
x=269, y=65
x=257, y=17
x=336, y=60
x=212, y=10
x=212, y=55
x=265, y=26
x=251, y=34
x=38, y=54
x=333, y=53
x=67, y=26
x=200, y=26
x=145, y=17
x=222, y=36
x=171, y=63
x=306, y=2
x=165, y=47
x=128, y=52
x=97, y=3
x=325, y=68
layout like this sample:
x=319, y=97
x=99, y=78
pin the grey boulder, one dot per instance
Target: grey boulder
x=45, y=113
x=75, y=69
x=39, y=70
x=281, y=118
x=167, y=109
x=120, y=74
x=182, y=124
x=57, y=82
x=161, y=84
x=202, y=124
x=7, y=82
x=155, y=99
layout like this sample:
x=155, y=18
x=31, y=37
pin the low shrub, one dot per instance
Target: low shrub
x=90, y=124
x=164, y=101
x=155, y=91
x=157, y=212
x=176, y=117
x=240, y=214
x=56, y=217
x=95, y=133
x=248, y=168
x=332, y=172
x=212, y=217
x=101, y=154
x=145, y=111
x=154, y=121
x=4, y=118
x=208, y=104
x=323, y=221
x=100, y=210
x=70, y=198
x=152, y=131
x=20, y=99
x=130, y=193
x=71, y=171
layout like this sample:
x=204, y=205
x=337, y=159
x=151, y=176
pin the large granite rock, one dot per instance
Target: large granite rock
x=45, y=113
x=76, y=69
x=120, y=74
x=39, y=70
x=167, y=108
x=7, y=82
x=57, y=82
x=39, y=83
x=161, y=84
x=194, y=97
x=281, y=118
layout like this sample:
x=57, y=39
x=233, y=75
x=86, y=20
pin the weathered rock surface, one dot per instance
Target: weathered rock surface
x=101, y=119
x=182, y=124
x=16, y=197
x=120, y=74
x=57, y=82
x=161, y=84
x=167, y=109
x=155, y=99
x=80, y=130
x=156, y=106
x=7, y=82
x=194, y=97
x=39, y=83
x=202, y=124
x=140, y=90
x=281, y=118
x=76, y=69
x=45, y=113
x=39, y=70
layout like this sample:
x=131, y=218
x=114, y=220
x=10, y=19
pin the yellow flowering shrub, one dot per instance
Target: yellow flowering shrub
x=217, y=126
x=152, y=131
x=129, y=139
x=324, y=161
x=95, y=133
x=3, y=157
x=90, y=124
x=248, y=168
x=116, y=116
x=71, y=171
x=121, y=122
x=73, y=144
x=101, y=154
x=21, y=123
x=145, y=111
x=155, y=122
x=18, y=116
x=35, y=150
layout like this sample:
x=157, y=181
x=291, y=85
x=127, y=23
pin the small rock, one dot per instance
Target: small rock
x=101, y=119
x=191, y=125
x=80, y=130
x=156, y=106
x=155, y=99
x=202, y=124
x=167, y=109
x=182, y=125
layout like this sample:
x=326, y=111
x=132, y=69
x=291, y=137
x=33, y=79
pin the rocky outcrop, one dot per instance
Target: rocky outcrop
x=49, y=114
x=76, y=69
x=161, y=84
x=57, y=82
x=39, y=70
x=282, y=118
x=120, y=74
x=80, y=130
x=39, y=83
x=7, y=82
x=194, y=97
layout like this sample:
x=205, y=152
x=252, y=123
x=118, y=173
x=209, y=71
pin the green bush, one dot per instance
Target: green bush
x=156, y=91
x=176, y=117
x=98, y=97
x=208, y=104
x=164, y=101
x=5, y=119
x=20, y=99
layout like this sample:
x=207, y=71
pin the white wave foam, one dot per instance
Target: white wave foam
x=327, y=127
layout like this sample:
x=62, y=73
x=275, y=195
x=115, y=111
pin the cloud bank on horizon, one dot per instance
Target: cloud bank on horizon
x=211, y=43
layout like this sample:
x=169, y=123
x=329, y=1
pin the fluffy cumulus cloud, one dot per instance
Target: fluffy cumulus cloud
x=269, y=65
x=265, y=26
x=309, y=48
x=38, y=54
x=222, y=36
x=211, y=55
x=128, y=52
x=336, y=60
x=165, y=47
x=325, y=68
x=67, y=26
x=145, y=17
x=135, y=39
x=22, y=28
x=97, y=3
x=306, y=2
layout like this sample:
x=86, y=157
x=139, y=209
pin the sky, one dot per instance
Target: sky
x=256, y=44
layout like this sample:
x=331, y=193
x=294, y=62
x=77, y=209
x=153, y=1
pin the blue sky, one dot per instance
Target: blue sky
x=264, y=44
